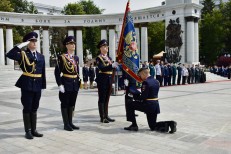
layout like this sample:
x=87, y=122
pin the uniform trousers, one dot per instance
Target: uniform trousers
x=131, y=106
x=30, y=100
x=68, y=99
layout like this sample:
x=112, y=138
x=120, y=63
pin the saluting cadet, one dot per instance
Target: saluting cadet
x=33, y=79
x=104, y=80
x=146, y=101
x=69, y=82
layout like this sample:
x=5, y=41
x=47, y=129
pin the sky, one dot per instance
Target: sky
x=110, y=6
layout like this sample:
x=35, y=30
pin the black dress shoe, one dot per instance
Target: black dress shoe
x=74, y=127
x=104, y=120
x=110, y=120
x=131, y=128
x=172, y=125
x=68, y=128
x=36, y=134
x=28, y=135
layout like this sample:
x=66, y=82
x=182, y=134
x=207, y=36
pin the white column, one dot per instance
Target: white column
x=196, y=41
x=36, y=30
x=79, y=44
x=103, y=32
x=144, y=43
x=112, y=50
x=2, y=52
x=46, y=47
x=190, y=40
x=137, y=29
x=117, y=35
x=9, y=43
x=70, y=32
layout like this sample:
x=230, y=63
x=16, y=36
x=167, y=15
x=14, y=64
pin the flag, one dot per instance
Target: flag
x=127, y=52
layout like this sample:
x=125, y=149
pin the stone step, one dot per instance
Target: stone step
x=213, y=77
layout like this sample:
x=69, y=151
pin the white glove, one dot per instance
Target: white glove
x=61, y=89
x=21, y=45
x=126, y=82
x=115, y=65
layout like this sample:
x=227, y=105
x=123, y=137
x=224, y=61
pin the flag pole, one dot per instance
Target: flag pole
x=120, y=45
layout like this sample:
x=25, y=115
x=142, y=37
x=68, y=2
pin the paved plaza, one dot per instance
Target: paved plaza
x=202, y=111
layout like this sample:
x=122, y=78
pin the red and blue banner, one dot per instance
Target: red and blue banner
x=127, y=52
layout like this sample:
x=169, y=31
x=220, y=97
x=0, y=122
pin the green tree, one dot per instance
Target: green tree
x=90, y=8
x=20, y=6
x=91, y=35
x=58, y=34
x=23, y=6
x=73, y=9
x=209, y=6
x=6, y=6
x=211, y=36
x=226, y=11
x=156, y=38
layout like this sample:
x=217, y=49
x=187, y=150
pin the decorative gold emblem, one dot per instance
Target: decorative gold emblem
x=131, y=46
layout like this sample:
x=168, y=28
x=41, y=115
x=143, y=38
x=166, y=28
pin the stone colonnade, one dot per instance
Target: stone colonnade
x=113, y=39
x=192, y=40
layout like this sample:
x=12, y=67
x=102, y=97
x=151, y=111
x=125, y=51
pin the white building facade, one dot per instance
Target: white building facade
x=187, y=11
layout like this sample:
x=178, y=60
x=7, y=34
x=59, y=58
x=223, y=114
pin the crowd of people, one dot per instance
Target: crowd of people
x=169, y=74
x=221, y=70
x=89, y=74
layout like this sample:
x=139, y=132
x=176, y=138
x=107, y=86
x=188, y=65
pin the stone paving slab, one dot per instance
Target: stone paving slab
x=202, y=112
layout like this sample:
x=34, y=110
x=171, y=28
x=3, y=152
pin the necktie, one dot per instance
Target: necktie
x=35, y=59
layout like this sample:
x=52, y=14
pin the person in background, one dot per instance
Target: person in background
x=179, y=70
x=91, y=75
x=85, y=72
x=166, y=74
x=229, y=71
x=174, y=74
x=152, y=69
x=192, y=73
x=170, y=74
x=158, y=71
x=145, y=64
x=189, y=74
x=184, y=73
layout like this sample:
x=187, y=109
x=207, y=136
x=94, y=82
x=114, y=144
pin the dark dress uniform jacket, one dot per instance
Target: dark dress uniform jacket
x=70, y=84
x=29, y=83
x=103, y=78
x=149, y=90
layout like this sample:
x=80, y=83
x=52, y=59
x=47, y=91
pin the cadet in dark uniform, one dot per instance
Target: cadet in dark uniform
x=91, y=75
x=31, y=81
x=85, y=72
x=104, y=80
x=69, y=82
x=147, y=101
